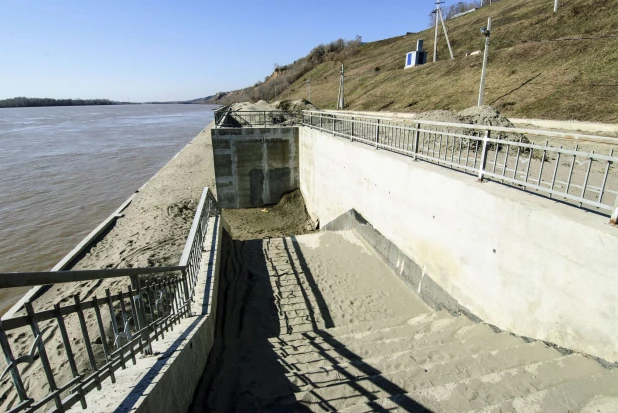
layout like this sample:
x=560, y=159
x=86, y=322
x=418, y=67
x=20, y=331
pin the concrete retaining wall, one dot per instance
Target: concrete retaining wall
x=524, y=263
x=254, y=166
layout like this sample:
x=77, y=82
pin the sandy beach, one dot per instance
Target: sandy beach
x=152, y=232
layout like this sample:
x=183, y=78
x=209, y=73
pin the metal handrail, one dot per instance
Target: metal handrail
x=508, y=157
x=539, y=132
x=252, y=118
x=148, y=309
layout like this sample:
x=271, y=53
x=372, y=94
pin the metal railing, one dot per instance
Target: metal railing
x=149, y=308
x=221, y=113
x=250, y=118
x=508, y=155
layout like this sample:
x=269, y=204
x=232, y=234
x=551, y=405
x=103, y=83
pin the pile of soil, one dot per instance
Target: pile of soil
x=475, y=115
x=288, y=217
x=294, y=105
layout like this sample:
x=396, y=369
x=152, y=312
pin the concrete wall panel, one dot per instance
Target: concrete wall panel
x=524, y=263
x=255, y=167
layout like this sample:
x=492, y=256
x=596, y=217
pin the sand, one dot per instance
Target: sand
x=288, y=217
x=152, y=232
x=290, y=285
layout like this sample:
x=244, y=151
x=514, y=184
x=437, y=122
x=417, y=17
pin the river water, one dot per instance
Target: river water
x=63, y=170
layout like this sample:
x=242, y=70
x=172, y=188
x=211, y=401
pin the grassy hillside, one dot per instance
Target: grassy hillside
x=541, y=65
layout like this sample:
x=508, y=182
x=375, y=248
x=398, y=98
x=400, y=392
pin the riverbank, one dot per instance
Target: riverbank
x=151, y=232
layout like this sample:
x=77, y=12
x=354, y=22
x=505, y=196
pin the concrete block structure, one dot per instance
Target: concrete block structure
x=254, y=166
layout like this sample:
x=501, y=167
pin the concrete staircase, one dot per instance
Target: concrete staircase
x=433, y=362
x=430, y=361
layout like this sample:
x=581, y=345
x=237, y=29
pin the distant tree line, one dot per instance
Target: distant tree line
x=284, y=76
x=23, y=102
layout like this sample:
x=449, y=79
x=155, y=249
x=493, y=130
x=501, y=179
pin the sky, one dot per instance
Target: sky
x=153, y=50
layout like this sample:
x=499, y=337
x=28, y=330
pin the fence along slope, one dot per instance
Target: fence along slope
x=144, y=312
x=584, y=178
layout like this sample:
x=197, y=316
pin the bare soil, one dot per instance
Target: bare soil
x=288, y=217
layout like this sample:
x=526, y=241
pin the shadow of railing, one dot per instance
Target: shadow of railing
x=267, y=292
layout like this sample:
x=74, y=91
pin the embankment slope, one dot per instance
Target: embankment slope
x=541, y=65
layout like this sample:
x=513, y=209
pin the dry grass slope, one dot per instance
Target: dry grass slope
x=531, y=72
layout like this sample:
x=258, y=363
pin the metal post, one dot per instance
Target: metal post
x=484, y=156
x=487, y=33
x=352, y=131
x=10, y=361
x=141, y=314
x=309, y=88
x=555, y=6
x=377, y=133
x=417, y=135
x=435, y=39
x=340, y=99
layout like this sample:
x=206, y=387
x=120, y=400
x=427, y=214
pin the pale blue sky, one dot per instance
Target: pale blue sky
x=175, y=50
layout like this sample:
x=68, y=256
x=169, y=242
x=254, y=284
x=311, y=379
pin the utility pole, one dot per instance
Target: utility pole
x=435, y=38
x=555, y=6
x=340, y=99
x=309, y=88
x=487, y=32
x=446, y=33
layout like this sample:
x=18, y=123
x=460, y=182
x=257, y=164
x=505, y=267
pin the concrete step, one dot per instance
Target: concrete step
x=400, y=341
x=345, y=381
x=357, y=331
x=355, y=351
x=597, y=393
x=323, y=340
x=494, y=388
x=425, y=356
x=421, y=378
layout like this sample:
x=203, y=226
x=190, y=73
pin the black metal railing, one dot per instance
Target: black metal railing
x=230, y=118
x=148, y=309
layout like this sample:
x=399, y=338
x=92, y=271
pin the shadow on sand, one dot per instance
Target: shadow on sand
x=267, y=292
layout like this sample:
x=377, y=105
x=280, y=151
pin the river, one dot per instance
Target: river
x=63, y=170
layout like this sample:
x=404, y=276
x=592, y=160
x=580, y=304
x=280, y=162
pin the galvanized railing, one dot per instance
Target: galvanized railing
x=508, y=155
x=149, y=308
x=250, y=119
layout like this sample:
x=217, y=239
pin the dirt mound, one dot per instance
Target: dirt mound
x=440, y=116
x=475, y=115
x=288, y=217
x=484, y=115
x=294, y=105
x=248, y=106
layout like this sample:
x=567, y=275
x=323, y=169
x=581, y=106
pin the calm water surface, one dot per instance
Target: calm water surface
x=63, y=170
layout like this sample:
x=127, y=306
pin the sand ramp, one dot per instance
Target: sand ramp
x=318, y=322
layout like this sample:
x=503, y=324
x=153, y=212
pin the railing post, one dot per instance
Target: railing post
x=334, y=127
x=185, y=277
x=141, y=313
x=484, y=156
x=38, y=337
x=377, y=133
x=10, y=362
x=352, y=133
x=417, y=135
x=320, y=121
